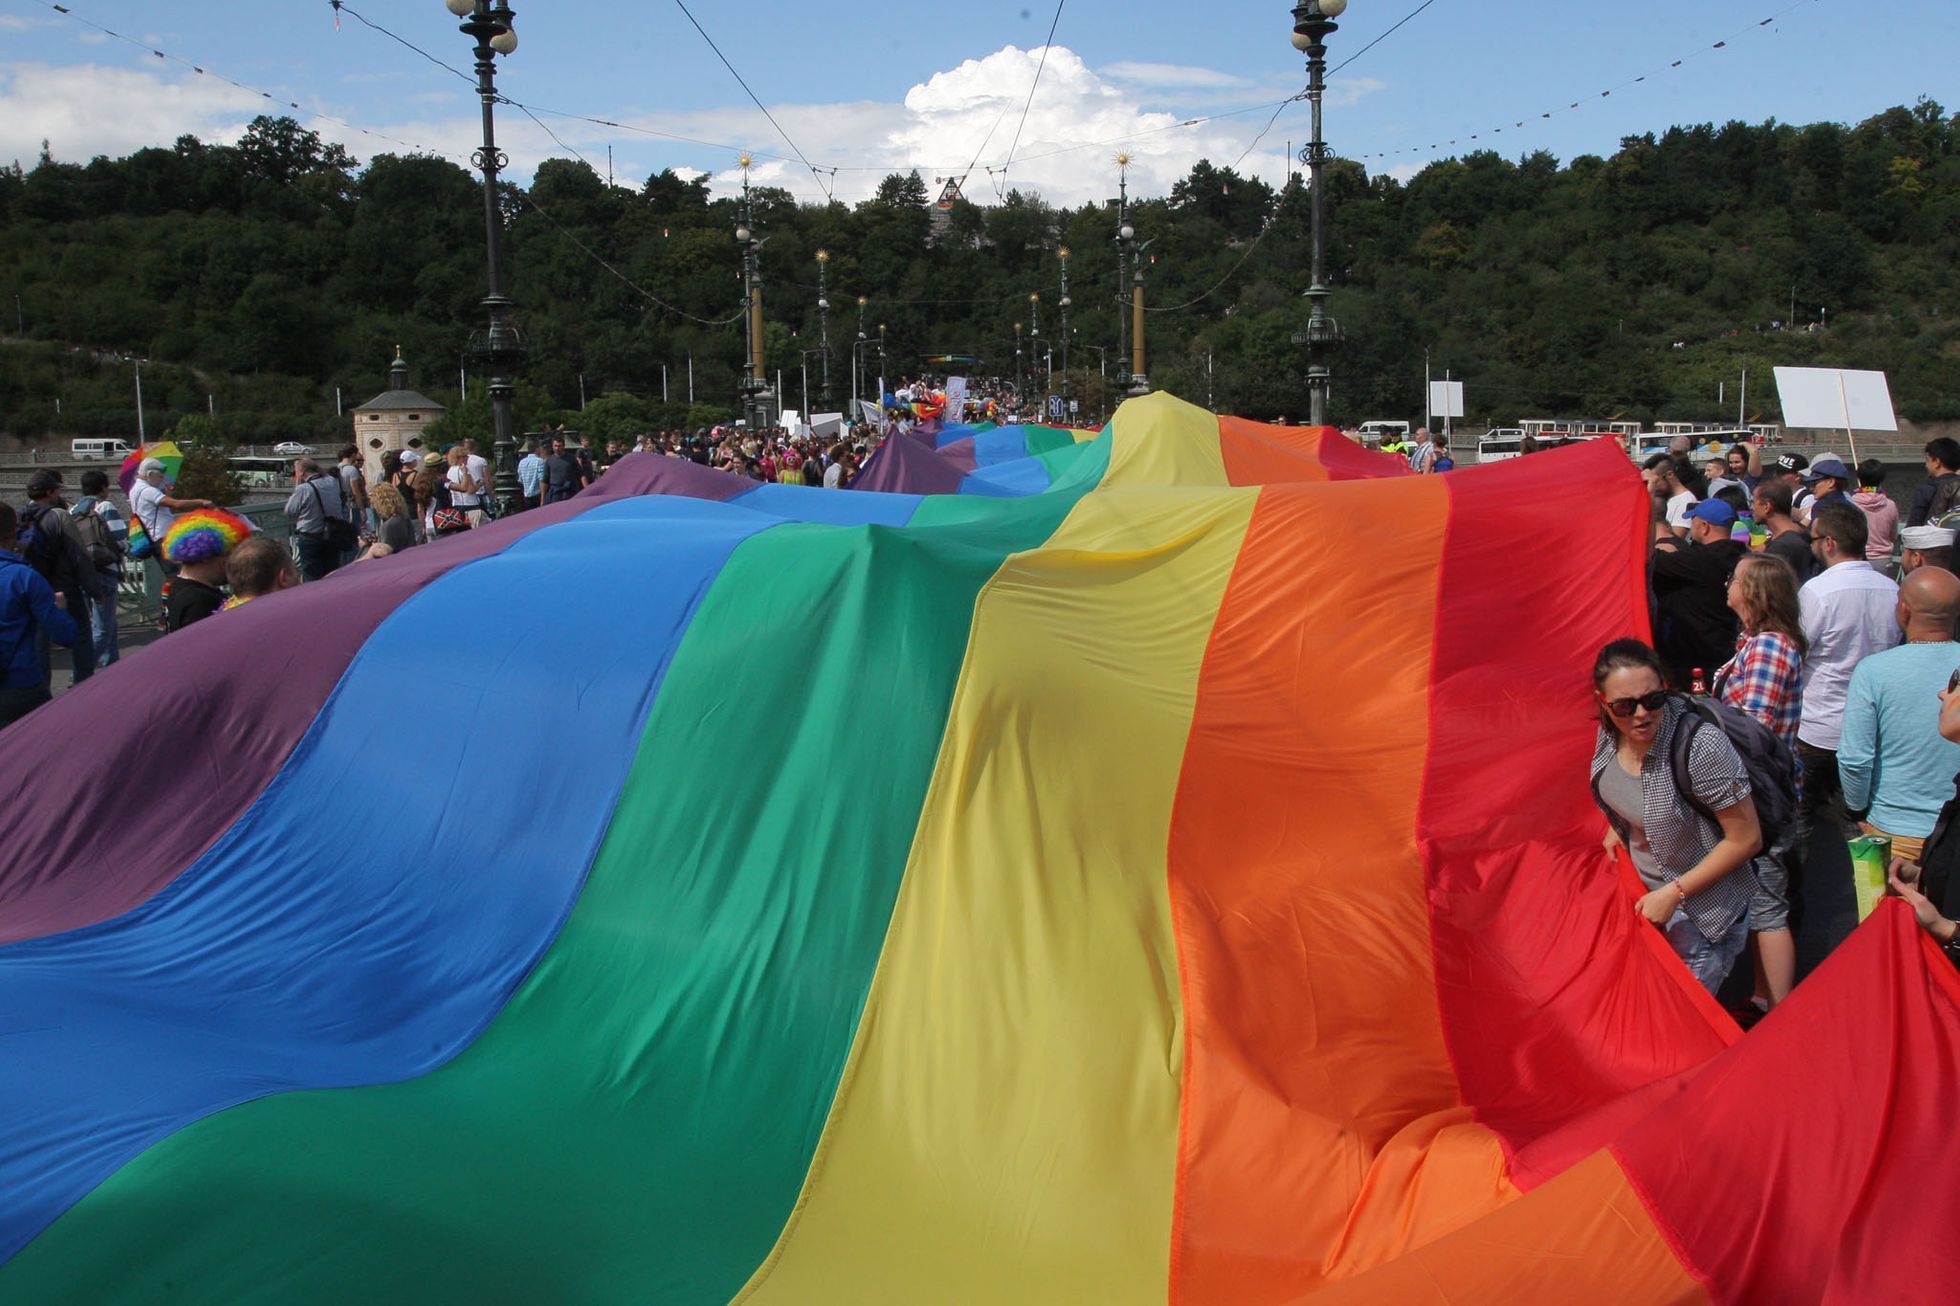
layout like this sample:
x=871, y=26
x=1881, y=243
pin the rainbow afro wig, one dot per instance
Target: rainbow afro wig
x=204, y=533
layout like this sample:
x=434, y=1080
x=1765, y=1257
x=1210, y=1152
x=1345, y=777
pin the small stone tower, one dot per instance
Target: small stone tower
x=393, y=419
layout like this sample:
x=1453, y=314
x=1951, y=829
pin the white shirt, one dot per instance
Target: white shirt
x=833, y=476
x=1848, y=615
x=146, y=505
x=1677, y=509
x=457, y=496
x=479, y=469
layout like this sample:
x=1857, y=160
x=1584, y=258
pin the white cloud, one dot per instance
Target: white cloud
x=1171, y=74
x=1078, y=121
x=83, y=110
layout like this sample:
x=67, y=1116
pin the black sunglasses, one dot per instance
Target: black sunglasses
x=1626, y=707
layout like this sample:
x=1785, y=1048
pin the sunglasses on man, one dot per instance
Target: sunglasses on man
x=1626, y=707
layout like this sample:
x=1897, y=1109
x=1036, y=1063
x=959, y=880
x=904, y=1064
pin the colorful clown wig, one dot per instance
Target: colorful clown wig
x=205, y=533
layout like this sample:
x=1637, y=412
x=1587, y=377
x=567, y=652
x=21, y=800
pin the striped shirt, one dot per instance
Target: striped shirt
x=1678, y=835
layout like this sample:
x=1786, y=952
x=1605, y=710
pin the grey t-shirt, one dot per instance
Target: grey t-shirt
x=1622, y=793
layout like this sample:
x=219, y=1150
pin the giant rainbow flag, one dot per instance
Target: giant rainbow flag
x=1175, y=882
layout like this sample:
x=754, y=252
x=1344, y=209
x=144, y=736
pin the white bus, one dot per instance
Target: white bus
x=97, y=451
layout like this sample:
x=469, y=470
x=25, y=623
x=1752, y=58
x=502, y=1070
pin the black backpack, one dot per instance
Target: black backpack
x=1946, y=497
x=40, y=545
x=103, y=551
x=1765, y=757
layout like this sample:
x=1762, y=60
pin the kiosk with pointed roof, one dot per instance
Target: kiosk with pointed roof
x=394, y=419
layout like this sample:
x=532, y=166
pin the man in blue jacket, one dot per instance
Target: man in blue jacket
x=27, y=606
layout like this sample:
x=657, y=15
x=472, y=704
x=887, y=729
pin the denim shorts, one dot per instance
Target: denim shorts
x=1710, y=963
x=1769, y=909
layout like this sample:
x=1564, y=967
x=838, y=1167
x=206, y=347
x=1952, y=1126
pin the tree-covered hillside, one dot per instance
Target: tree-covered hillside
x=256, y=278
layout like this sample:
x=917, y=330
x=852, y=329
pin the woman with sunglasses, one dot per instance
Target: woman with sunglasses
x=1765, y=679
x=1696, y=871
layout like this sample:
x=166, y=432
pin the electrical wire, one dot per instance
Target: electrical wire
x=639, y=289
x=794, y=147
x=1001, y=186
x=1529, y=120
x=341, y=6
x=1383, y=37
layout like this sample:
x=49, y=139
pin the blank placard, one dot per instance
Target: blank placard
x=1446, y=398
x=1835, y=399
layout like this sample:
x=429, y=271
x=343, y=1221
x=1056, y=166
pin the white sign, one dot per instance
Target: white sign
x=1835, y=399
x=955, y=399
x=1446, y=398
x=827, y=426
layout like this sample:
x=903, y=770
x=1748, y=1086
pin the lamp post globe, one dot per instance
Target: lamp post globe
x=461, y=8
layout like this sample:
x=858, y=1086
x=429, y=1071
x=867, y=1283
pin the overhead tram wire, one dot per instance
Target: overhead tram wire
x=1383, y=37
x=1272, y=219
x=798, y=150
x=1532, y=120
x=1344, y=63
x=1000, y=186
x=833, y=169
x=341, y=6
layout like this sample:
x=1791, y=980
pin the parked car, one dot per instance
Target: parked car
x=89, y=451
x=292, y=449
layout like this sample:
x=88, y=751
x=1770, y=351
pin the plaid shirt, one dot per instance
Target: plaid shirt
x=1679, y=835
x=1765, y=679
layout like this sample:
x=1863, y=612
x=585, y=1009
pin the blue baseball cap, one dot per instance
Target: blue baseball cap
x=1830, y=467
x=1714, y=512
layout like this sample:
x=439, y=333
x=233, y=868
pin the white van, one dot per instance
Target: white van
x=1374, y=434
x=96, y=451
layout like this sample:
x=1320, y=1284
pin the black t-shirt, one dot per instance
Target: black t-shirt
x=1691, y=590
x=1794, y=548
x=190, y=600
x=561, y=475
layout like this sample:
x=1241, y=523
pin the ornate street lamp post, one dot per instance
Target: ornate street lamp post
x=1067, y=395
x=755, y=387
x=1125, y=237
x=1312, y=21
x=1020, y=378
x=501, y=350
x=1034, y=334
x=857, y=360
x=823, y=317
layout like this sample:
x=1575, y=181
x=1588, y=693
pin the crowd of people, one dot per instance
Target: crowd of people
x=63, y=561
x=1777, y=595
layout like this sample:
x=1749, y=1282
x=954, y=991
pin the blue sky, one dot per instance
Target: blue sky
x=878, y=85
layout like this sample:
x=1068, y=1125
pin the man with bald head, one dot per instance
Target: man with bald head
x=1896, y=768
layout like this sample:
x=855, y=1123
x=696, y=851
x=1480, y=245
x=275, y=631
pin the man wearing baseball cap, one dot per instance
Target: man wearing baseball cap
x=1691, y=593
x=155, y=508
x=1789, y=469
x=1829, y=481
